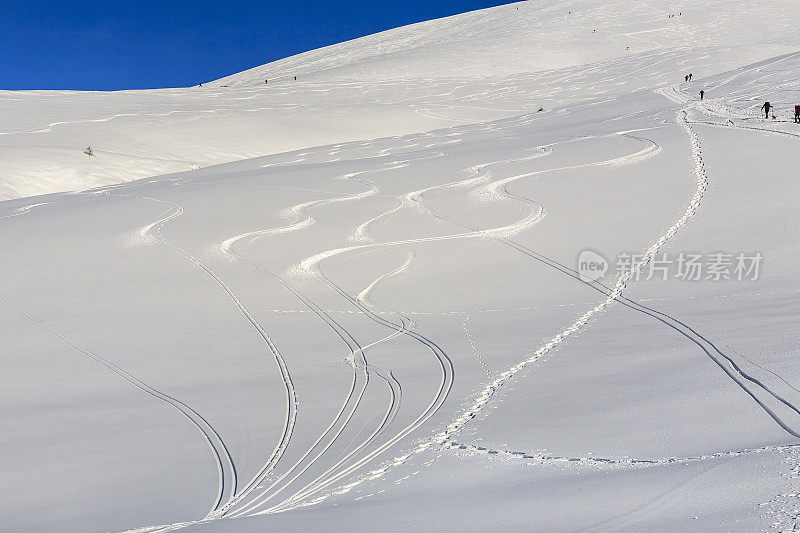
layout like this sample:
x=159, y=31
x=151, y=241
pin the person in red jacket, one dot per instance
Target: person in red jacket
x=797, y=114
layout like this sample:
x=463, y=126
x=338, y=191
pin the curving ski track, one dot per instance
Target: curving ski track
x=223, y=459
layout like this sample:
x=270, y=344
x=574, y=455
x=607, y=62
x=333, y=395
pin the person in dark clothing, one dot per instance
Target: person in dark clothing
x=797, y=114
x=686, y=78
x=690, y=76
x=702, y=94
x=766, y=107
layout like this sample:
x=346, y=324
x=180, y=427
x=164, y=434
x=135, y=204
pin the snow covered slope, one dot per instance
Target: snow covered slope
x=382, y=323
x=477, y=66
x=526, y=37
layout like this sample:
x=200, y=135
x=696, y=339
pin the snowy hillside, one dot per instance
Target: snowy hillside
x=532, y=36
x=495, y=63
x=503, y=271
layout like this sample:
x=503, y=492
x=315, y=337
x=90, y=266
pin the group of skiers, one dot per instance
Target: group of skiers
x=688, y=77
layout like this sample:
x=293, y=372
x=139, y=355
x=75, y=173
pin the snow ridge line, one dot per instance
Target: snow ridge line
x=211, y=436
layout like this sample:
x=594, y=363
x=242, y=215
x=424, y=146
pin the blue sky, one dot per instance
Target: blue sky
x=108, y=45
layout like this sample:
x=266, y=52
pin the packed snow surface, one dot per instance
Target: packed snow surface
x=388, y=294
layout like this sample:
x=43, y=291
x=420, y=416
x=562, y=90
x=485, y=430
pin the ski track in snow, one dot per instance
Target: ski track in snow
x=616, y=294
x=398, y=329
x=267, y=494
x=336, y=478
x=356, y=352
x=724, y=361
x=223, y=459
x=489, y=391
x=152, y=232
x=414, y=198
x=301, y=498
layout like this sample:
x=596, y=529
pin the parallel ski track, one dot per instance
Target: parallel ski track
x=725, y=362
x=154, y=230
x=402, y=328
x=445, y=386
x=304, y=220
x=357, y=353
x=414, y=198
x=222, y=456
x=301, y=497
x=352, y=399
x=410, y=197
x=405, y=327
x=612, y=296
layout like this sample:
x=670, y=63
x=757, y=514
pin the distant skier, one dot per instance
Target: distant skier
x=797, y=114
x=266, y=82
x=690, y=76
x=295, y=78
x=766, y=107
x=702, y=94
x=686, y=78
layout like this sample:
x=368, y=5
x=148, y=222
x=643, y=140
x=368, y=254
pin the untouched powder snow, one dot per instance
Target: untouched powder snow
x=356, y=301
